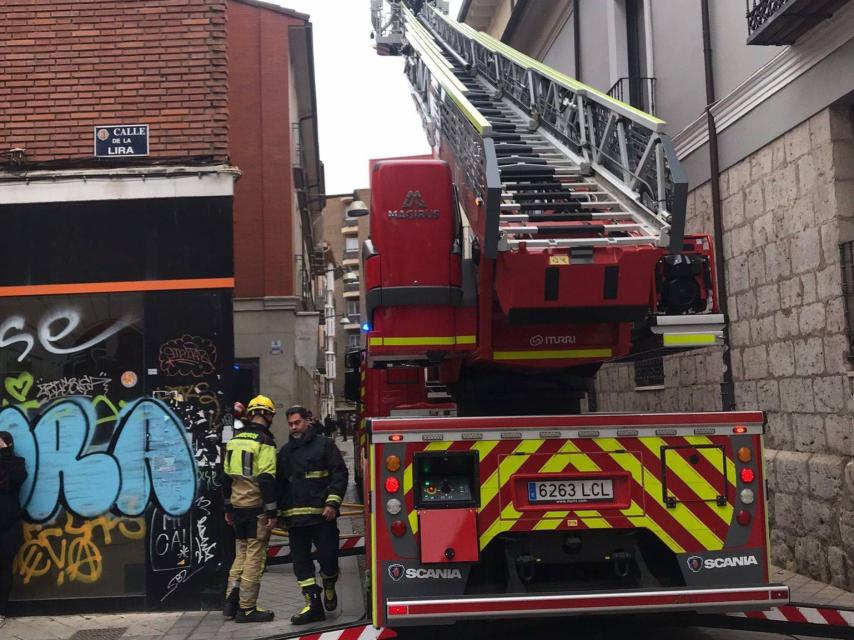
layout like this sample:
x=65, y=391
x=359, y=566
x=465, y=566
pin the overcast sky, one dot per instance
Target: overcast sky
x=363, y=101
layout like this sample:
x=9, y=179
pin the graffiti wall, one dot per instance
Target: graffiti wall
x=116, y=403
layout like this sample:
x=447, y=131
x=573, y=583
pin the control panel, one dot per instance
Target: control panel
x=448, y=489
x=446, y=479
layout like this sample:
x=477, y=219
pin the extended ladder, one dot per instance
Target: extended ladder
x=540, y=159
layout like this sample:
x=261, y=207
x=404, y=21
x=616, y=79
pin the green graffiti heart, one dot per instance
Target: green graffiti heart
x=20, y=386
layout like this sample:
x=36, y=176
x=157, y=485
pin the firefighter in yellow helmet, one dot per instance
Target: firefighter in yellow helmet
x=249, y=493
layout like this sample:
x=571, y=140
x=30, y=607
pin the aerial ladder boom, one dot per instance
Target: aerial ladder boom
x=542, y=162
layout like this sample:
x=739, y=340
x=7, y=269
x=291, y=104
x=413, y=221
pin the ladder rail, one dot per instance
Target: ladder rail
x=626, y=142
x=457, y=128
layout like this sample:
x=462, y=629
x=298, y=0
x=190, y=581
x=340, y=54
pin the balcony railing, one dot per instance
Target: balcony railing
x=638, y=92
x=780, y=22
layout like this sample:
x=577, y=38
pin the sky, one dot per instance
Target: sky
x=364, y=106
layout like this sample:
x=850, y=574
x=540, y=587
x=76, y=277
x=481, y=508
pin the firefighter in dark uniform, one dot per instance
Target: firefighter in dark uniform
x=249, y=494
x=312, y=480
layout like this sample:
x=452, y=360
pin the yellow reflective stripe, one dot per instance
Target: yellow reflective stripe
x=375, y=608
x=682, y=514
x=558, y=354
x=417, y=341
x=308, y=582
x=316, y=474
x=688, y=339
x=303, y=511
x=690, y=476
x=333, y=498
x=505, y=469
x=712, y=455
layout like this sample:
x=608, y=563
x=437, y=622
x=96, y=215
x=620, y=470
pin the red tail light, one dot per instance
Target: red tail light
x=398, y=528
x=743, y=517
x=392, y=484
x=747, y=475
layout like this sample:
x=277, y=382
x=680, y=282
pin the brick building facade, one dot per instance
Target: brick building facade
x=116, y=285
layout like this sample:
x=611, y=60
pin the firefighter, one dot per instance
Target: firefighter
x=249, y=493
x=312, y=481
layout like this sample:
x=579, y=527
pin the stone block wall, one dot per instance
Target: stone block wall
x=786, y=209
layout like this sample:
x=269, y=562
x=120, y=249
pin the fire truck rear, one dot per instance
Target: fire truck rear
x=545, y=239
x=482, y=500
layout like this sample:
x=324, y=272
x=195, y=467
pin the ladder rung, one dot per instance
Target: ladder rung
x=566, y=230
x=576, y=242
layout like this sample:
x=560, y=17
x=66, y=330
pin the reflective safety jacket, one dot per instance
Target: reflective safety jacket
x=312, y=475
x=250, y=470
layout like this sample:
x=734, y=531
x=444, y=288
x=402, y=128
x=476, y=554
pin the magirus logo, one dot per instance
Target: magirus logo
x=413, y=207
x=539, y=341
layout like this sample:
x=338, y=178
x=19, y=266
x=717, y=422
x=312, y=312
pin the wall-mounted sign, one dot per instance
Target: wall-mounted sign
x=276, y=348
x=121, y=141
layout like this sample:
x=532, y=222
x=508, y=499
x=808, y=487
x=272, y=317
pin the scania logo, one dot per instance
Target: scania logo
x=538, y=340
x=413, y=207
x=695, y=563
x=395, y=571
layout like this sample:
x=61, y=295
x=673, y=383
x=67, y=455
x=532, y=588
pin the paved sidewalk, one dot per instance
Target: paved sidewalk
x=279, y=592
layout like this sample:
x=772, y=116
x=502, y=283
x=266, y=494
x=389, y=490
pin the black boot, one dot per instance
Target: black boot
x=313, y=609
x=256, y=614
x=330, y=598
x=229, y=609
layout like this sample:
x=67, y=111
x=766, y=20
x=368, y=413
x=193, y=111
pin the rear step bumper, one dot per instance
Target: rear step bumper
x=704, y=600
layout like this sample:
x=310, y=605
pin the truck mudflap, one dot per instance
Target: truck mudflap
x=630, y=601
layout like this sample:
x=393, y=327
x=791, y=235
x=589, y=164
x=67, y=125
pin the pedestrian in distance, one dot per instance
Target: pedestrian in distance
x=13, y=472
x=311, y=484
x=249, y=494
x=342, y=427
x=329, y=426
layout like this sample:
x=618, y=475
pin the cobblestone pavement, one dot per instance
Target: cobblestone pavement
x=279, y=592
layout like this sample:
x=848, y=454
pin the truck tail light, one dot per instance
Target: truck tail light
x=392, y=484
x=743, y=517
x=746, y=496
x=747, y=475
x=745, y=455
x=392, y=463
x=393, y=506
x=398, y=528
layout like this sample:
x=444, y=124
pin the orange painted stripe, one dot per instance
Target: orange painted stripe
x=115, y=287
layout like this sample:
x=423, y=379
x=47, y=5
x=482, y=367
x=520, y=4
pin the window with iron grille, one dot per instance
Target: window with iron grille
x=649, y=373
x=846, y=250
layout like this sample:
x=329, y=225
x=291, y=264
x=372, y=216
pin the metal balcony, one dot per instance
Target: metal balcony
x=638, y=92
x=781, y=22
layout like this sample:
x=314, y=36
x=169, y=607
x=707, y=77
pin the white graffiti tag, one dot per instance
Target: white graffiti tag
x=49, y=336
x=83, y=386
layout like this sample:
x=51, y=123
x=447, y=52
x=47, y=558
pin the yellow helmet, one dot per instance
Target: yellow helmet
x=261, y=403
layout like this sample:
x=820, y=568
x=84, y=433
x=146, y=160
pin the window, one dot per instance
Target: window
x=353, y=310
x=649, y=373
x=353, y=340
x=352, y=244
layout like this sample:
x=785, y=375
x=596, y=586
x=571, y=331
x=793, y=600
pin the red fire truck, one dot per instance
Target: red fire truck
x=485, y=495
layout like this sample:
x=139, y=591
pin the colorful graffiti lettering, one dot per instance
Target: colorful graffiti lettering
x=72, y=551
x=188, y=356
x=148, y=459
x=45, y=332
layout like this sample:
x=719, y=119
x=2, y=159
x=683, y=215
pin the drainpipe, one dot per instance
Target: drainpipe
x=727, y=386
x=576, y=34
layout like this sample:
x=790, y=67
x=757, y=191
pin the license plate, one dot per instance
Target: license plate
x=562, y=491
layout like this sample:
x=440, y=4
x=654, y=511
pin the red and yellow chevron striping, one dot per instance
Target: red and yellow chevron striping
x=680, y=488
